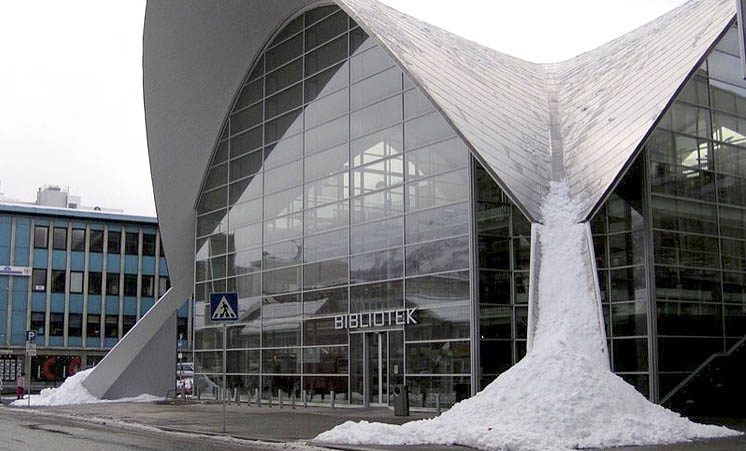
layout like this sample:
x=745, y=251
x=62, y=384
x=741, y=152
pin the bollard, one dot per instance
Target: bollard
x=258, y=399
x=333, y=398
x=305, y=398
x=437, y=403
x=199, y=394
x=270, y=399
x=279, y=397
x=292, y=400
x=237, y=396
x=215, y=393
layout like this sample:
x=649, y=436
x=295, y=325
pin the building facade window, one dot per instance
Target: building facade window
x=58, y=281
x=56, y=324
x=41, y=235
x=114, y=242
x=77, y=240
x=131, y=243
x=96, y=241
x=128, y=322
x=111, y=326
x=39, y=282
x=93, y=325
x=59, y=238
x=130, y=284
x=148, y=244
x=112, y=284
x=37, y=322
x=75, y=325
x=163, y=285
x=94, y=282
x=147, y=286
x=76, y=282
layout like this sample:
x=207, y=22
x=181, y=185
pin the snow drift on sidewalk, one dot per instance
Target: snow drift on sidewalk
x=72, y=391
x=561, y=395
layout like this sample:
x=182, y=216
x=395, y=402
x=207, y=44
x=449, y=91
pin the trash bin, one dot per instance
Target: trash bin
x=400, y=398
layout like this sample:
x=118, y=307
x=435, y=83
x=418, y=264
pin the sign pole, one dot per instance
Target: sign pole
x=225, y=342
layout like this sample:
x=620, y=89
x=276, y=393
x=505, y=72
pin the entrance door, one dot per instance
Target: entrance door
x=376, y=371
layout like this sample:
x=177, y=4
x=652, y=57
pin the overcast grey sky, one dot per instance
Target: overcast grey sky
x=71, y=109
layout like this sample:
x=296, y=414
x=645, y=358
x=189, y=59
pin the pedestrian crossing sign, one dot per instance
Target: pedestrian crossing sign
x=223, y=307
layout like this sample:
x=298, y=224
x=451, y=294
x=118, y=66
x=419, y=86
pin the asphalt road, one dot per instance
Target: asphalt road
x=24, y=430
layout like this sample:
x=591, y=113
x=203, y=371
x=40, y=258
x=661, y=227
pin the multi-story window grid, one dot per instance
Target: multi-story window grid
x=335, y=188
x=691, y=256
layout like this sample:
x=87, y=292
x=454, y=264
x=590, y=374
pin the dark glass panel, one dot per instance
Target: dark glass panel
x=449, y=357
x=325, y=302
x=320, y=388
x=684, y=216
x=731, y=190
x=322, y=332
x=281, y=280
x=734, y=287
x=283, y=126
x=96, y=241
x=730, y=159
x=246, y=165
x=323, y=57
x=452, y=389
x=284, y=52
x=496, y=356
x=628, y=284
x=438, y=190
x=246, y=142
x=735, y=320
x=377, y=296
x=494, y=252
x=271, y=385
x=212, y=223
x=377, y=266
x=283, y=101
x=494, y=287
x=290, y=29
x=281, y=361
x=366, y=63
x=77, y=240
x=626, y=249
x=59, y=238
x=686, y=318
x=283, y=77
x=360, y=41
x=246, y=189
x=250, y=93
x=208, y=362
x=681, y=284
x=326, y=274
x=629, y=319
x=685, y=354
x=319, y=13
x=242, y=361
x=246, y=119
x=495, y=321
x=325, y=30
x=326, y=82
x=212, y=200
x=437, y=223
x=630, y=354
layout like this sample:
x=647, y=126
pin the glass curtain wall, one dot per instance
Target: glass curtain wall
x=503, y=255
x=694, y=167
x=336, y=188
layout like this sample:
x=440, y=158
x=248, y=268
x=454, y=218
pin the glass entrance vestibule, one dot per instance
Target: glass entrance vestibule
x=376, y=365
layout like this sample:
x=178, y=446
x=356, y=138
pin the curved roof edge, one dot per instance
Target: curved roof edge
x=195, y=56
x=613, y=96
x=497, y=103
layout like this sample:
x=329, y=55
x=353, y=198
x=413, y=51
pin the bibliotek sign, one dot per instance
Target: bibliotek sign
x=380, y=318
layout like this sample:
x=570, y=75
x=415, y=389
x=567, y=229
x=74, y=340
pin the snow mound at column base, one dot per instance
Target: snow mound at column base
x=561, y=395
x=72, y=392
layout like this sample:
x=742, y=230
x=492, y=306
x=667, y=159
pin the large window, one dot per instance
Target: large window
x=148, y=244
x=93, y=325
x=131, y=243
x=58, y=281
x=39, y=280
x=112, y=284
x=111, y=326
x=37, y=322
x=114, y=242
x=56, y=324
x=75, y=324
x=130, y=284
x=327, y=153
x=59, y=238
x=77, y=242
x=41, y=235
x=96, y=241
x=76, y=282
x=94, y=283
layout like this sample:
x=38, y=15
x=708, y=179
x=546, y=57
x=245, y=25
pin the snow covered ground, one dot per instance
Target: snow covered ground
x=562, y=395
x=72, y=392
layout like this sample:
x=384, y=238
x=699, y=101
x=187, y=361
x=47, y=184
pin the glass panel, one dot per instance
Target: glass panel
x=283, y=152
x=326, y=82
x=438, y=223
x=326, y=360
x=377, y=296
x=326, y=108
x=216, y=176
x=324, y=303
x=212, y=200
x=246, y=165
x=328, y=217
x=246, y=189
x=450, y=357
x=283, y=228
x=284, y=308
x=284, y=177
x=327, y=135
x=376, y=176
x=280, y=361
x=377, y=235
x=442, y=290
x=283, y=203
x=326, y=274
x=425, y=130
x=377, y=87
x=377, y=266
x=327, y=190
x=436, y=158
x=284, y=52
x=416, y=104
x=246, y=142
x=283, y=254
x=326, y=245
x=326, y=29
x=243, y=237
x=245, y=261
x=283, y=126
x=250, y=93
x=246, y=119
x=381, y=204
x=281, y=280
x=440, y=324
x=325, y=56
x=283, y=77
x=370, y=62
x=326, y=163
x=375, y=146
x=212, y=223
x=376, y=116
x=439, y=190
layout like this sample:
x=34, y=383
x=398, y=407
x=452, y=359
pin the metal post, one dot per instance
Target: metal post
x=292, y=400
x=305, y=398
x=279, y=396
x=270, y=399
x=437, y=403
x=237, y=396
x=333, y=398
x=258, y=399
x=225, y=345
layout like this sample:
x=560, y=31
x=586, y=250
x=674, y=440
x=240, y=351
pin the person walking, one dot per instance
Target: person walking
x=20, y=386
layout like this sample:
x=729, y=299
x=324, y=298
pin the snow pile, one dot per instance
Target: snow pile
x=561, y=395
x=72, y=391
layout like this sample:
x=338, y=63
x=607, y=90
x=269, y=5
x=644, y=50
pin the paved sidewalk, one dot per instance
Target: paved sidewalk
x=302, y=424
